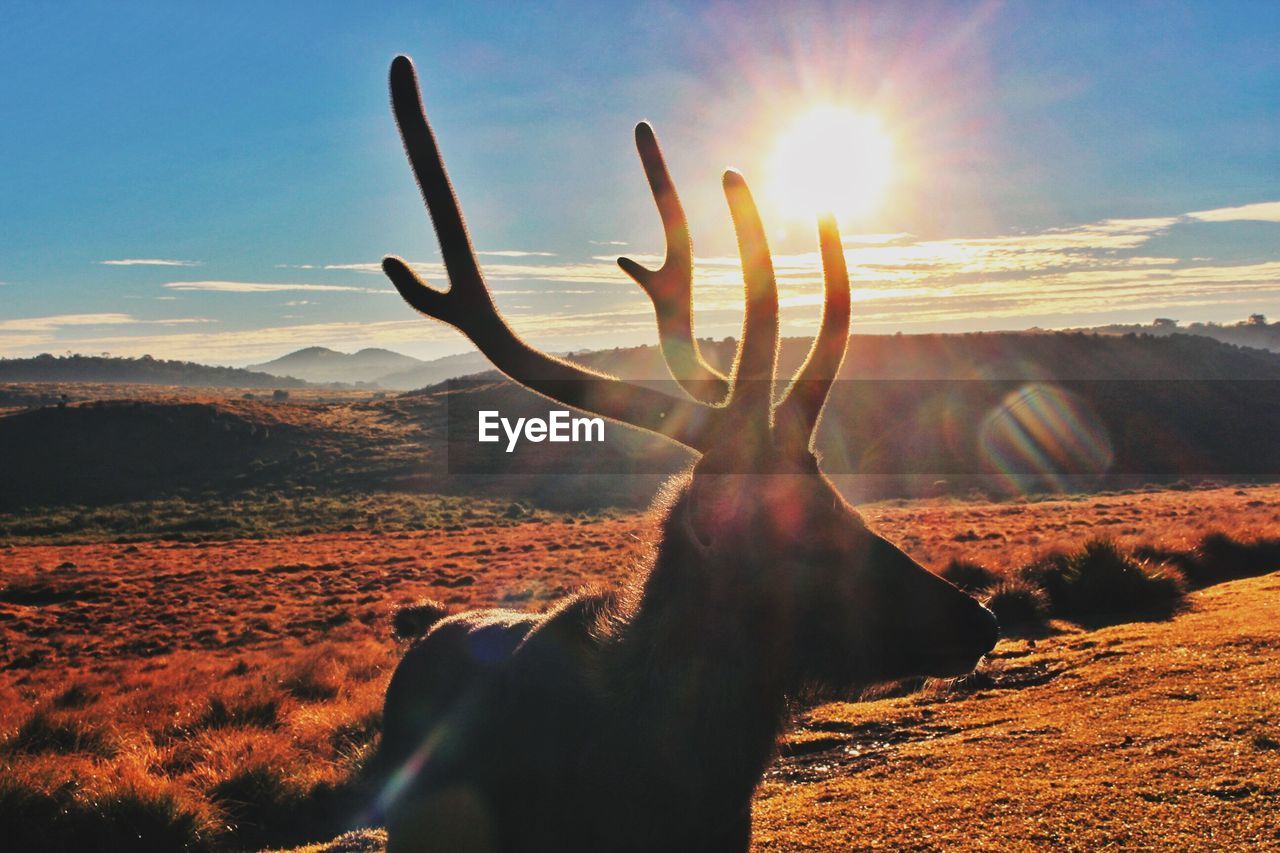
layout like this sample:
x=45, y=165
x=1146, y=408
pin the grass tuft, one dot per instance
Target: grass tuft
x=317, y=679
x=1100, y=579
x=126, y=818
x=413, y=620
x=969, y=576
x=1018, y=604
x=74, y=697
x=43, y=733
x=263, y=713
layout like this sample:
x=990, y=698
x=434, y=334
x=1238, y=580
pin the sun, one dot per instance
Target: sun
x=831, y=160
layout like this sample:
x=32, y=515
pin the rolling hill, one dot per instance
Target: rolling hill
x=911, y=415
x=144, y=370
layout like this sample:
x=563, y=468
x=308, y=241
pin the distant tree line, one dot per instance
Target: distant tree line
x=1254, y=332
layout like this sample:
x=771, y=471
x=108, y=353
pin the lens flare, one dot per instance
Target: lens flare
x=1042, y=435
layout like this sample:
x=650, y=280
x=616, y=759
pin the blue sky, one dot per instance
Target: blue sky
x=1062, y=164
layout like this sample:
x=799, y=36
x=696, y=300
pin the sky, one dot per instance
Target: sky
x=218, y=182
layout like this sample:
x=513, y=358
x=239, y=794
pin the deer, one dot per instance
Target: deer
x=643, y=718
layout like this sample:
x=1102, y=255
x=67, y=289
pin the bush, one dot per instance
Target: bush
x=970, y=577
x=1100, y=579
x=1017, y=603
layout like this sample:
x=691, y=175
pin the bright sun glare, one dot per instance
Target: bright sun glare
x=831, y=160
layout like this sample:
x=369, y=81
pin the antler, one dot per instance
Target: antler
x=468, y=306
x=796, y=417
x=670, y=287
x=758, y=353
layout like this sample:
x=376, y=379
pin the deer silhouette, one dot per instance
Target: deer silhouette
x=643, y=718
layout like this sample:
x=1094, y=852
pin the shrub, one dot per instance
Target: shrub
x=970, y=577
x=1100, y=579
x=1017, y=603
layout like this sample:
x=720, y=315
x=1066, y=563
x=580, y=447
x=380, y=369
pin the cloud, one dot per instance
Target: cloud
x=875, y=239
x=514, y=253
x=57, y=321
x=434, y=272
x=261, y=287
x=32, y=334
x=1263, y=211
x=608, y=242
x=150, y=262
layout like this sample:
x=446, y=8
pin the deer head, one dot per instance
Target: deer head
x=757, y=515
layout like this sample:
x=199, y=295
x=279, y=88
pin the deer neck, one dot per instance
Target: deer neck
x=704, y=663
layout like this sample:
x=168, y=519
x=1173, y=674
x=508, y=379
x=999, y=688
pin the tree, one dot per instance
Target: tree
x=1257, y=320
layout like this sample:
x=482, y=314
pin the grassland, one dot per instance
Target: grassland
x=223, y=693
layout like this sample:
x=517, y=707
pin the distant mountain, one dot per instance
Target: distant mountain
x=138, y=371
x=321, y=364
x=1255, y=332
x=436, y=371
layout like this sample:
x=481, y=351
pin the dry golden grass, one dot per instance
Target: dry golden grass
x=185, y=688
x=1144, y=735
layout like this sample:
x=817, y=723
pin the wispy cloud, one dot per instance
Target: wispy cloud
x=1263, y=211
x=514, y=253
x=608, y=242
x=875, y=239
x=28, y=334
x=55, y=321
x=149, y=262
x=262, y=287
x=571, y=272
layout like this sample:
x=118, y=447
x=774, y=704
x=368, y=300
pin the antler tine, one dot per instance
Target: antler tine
x=758, y=353
x=468, y=307
x=670, y=287
x=801, y=407
x=466, y=284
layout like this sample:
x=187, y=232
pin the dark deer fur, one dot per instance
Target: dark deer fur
x=642, y=719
